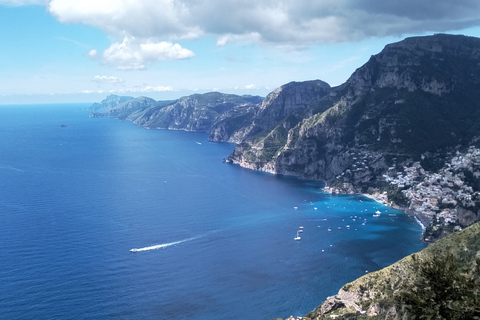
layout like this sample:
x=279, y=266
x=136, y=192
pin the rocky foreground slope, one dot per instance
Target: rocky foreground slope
x=439, y=282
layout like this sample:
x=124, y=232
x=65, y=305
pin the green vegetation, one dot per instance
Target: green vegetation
x=440, y=282
x=442, y=290
x=395, y=194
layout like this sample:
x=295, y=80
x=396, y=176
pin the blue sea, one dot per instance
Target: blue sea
x=215, y=241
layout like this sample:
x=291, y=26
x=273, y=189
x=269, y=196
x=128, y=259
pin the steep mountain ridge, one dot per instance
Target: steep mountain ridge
x=420, y=87
x=127, y=108
x=196, y=112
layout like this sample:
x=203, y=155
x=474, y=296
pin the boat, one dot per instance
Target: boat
x=300, y=230
x=297, y=237
x=377, y=212
x=133, y=250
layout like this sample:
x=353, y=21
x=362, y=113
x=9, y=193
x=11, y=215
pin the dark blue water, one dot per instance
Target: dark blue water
x=76, y=194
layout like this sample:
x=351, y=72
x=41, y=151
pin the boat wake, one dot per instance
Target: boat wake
x=11, y=168
x=163, y=245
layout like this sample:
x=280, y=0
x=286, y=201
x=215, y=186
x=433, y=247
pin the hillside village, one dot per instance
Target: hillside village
x=448, y=199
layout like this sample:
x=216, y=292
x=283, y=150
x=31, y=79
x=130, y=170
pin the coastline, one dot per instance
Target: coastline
x=380, y=198
x=423, y=220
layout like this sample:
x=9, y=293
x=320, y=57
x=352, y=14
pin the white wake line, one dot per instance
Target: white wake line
x=11, y=168
x=163, y=245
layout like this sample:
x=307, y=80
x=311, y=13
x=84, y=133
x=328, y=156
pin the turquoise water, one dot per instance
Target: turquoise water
x=78, y=193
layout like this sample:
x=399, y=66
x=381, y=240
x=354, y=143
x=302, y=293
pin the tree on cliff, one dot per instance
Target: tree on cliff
x=442, y=290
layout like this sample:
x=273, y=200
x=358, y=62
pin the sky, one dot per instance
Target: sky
x=62, y=51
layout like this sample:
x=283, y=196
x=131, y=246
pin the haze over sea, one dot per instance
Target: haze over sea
x=77, y=193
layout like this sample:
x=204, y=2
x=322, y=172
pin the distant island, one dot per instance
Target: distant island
x=403, y=129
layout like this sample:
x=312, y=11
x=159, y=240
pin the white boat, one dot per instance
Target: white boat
x=133, y=250
x=300, y=230
x=377, y=212
x=297, y=237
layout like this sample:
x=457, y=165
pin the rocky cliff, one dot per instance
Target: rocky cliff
x=280, y=111
x=416, y=96
x=415, y=103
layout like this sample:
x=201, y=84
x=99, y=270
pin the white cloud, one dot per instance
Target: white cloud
x=250, y=86
x=140, y=89
x=133, y=54
x=93, y=53
x=108, y=79
x=150, y=89
x=141, y=18
x=268, y=21
x=250, y=37
x=92, y=91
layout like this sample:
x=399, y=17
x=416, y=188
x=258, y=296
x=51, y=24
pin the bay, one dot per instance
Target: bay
x=78, y=193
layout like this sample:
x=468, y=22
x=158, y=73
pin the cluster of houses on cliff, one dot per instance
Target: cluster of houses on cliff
x=444, y=196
